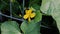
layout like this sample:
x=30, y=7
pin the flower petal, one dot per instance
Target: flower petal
x=28, y=11
x=32, y=15
x=26, y=16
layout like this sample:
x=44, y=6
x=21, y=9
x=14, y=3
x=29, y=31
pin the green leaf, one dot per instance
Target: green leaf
x=36, y=6
x=46, y=6
x=30, y=28
x=10, y=27
x=38, y=16
x=33, y=2
x=52, y=7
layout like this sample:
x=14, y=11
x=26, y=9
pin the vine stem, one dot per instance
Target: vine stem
x=0, y=16
x=23, y=7
x=11, y=17
x=11, y=8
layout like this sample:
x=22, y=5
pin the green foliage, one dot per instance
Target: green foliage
x=5, y=7
x=4, y=4
x=35, y=4
x=52, y=7
x=32, y=2
x=10, y=27
x=38, y=16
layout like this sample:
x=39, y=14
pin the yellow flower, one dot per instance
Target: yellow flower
x=29, y=14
